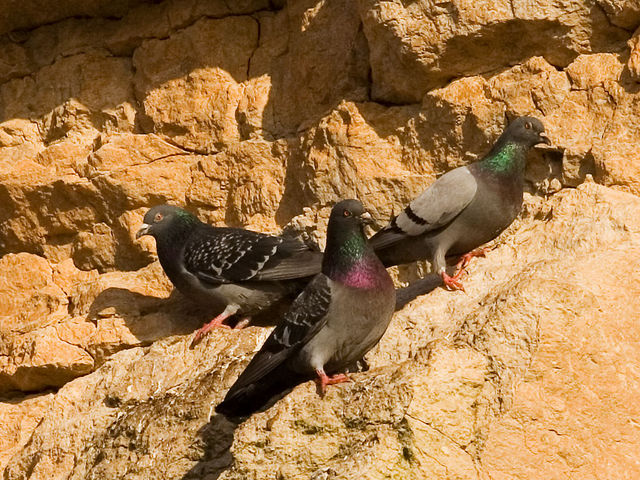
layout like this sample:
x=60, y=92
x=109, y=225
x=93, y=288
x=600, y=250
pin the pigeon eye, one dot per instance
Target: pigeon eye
x=157, y=218
x=346, y=213
x=527, y=126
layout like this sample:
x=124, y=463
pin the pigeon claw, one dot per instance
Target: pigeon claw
x=324, y=380
x=202, y=332
x=243, y=322
x=466, y=258
x=453, y=283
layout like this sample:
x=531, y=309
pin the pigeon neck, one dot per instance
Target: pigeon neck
x=350, y=260
x=506, y=158
x=180, y=228
x=170, y=241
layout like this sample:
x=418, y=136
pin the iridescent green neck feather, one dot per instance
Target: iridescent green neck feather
x=350, y=260
x=186, y=217
x=344, y=248
x=505, y=157
x=353, y=247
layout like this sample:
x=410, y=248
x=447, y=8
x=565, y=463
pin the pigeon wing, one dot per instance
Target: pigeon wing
x=306, y=316
x=437, y=206
x=227, y=255
x=293, y=259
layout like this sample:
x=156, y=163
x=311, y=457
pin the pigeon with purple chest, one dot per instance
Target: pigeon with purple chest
x=340, y=315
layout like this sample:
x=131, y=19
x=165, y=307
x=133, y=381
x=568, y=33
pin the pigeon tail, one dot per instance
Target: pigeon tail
x=261, y=393
x=417, y=288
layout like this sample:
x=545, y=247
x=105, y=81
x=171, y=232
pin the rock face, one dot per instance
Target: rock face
x=263, y=114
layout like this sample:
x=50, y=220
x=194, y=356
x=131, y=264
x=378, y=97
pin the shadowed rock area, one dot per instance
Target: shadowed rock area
x=263, y=114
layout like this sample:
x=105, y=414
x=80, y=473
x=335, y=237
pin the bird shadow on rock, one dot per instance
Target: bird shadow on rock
x=214, y=439
x=147, y=317
x=150, y=318
x=417, y=288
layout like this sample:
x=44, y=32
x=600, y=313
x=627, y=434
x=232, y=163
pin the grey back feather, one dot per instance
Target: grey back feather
x=434, y=208
x=307, y=315
x=439, y=204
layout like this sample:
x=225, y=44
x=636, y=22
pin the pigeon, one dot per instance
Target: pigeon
x=464, y=208
x=236, y=270
x=339, y=316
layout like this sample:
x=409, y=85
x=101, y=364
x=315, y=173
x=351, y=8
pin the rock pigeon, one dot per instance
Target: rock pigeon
x=464, y=208
x=236, y=270
x=340, y=315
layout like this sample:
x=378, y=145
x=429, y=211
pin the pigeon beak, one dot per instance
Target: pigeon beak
x=544, y=139
x=366, y=218
x=144, y=230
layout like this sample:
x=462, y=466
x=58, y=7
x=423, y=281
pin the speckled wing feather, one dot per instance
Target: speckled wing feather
x=285, y=266
x=434, y=208
x=227, y=255
x=306, y=316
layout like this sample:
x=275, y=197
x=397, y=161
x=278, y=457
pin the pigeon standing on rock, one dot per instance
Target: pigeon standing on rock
x=236, y=270
x=463, y=209
x=341, y=314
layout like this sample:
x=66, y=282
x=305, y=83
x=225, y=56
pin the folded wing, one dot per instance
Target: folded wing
x=268, y=373
x=225, y=255
x=436, y=207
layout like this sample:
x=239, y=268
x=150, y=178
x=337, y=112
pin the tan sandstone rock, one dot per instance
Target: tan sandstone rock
x=19, y=418
x=633, y=63
x=441, y=398
x=262, y=114
x=214, y=56
x=58, y=322
x=31, y=13
x=420, y=45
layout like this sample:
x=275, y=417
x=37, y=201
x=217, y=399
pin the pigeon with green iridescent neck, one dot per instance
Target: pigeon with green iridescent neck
x=234, y=270
x=463, y=209
x=336, y=319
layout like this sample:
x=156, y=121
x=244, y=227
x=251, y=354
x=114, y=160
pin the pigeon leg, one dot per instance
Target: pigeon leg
x=453, y=283
x=324, y=380
x=217, y=322
x=244, y=321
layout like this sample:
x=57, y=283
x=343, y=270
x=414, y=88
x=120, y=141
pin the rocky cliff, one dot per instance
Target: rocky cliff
x=261, y=114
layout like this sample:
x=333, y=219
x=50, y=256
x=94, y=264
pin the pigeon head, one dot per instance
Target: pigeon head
x=349, y=215
x=508, y=155
x=165, y=218
x=348, y=257
x=527, y=131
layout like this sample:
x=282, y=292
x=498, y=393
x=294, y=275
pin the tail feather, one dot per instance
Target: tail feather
x=385, y=238
x=417, y=288
x=248, y=399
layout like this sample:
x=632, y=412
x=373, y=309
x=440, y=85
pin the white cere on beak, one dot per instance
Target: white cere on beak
x=144, y=229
